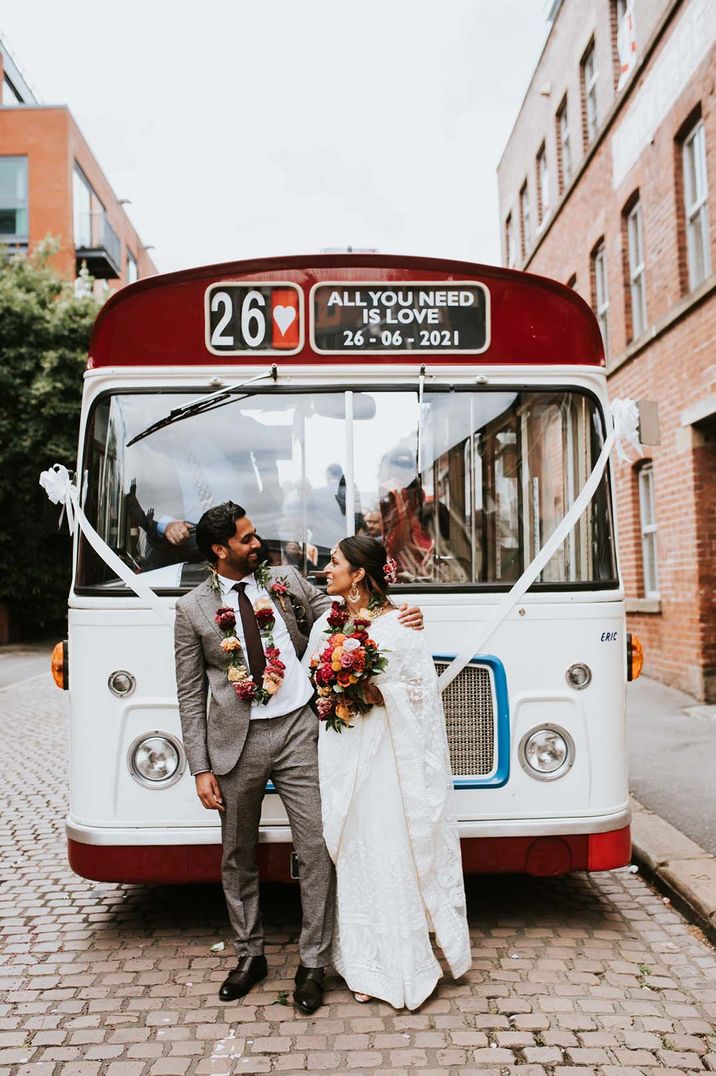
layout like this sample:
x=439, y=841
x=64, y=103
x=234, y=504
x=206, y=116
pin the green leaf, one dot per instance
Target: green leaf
x=44, y=338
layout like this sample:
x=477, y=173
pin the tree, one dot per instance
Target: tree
x=44, y=336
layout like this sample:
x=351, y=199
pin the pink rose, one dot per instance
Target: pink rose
x=346, y=661
x=324, y=708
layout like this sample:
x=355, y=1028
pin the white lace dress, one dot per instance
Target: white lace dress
x=386, y=790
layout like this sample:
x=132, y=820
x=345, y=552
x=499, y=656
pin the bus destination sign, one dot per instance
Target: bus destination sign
x=251, y=317
x=370, y=318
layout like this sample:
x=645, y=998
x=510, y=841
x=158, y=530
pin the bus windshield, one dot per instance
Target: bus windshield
x=463, y=486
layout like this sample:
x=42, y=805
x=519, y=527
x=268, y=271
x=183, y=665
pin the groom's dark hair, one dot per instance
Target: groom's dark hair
x=216, y=526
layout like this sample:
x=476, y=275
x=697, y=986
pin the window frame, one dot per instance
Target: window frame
x=600, y=296
x=696, y=210
x=637, y=274
x=564, y=148
x=525, y=219
x=18, y=238
x=542, y=177
x=510, y=246
x=648, y=529
x=586, y=586
x=590, y=109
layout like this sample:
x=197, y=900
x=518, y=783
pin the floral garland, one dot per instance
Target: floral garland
x=237, y=673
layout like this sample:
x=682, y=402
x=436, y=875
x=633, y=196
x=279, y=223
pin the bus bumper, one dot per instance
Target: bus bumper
x=540, y=856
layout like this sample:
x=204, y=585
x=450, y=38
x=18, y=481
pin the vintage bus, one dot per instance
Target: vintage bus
x=455, y=411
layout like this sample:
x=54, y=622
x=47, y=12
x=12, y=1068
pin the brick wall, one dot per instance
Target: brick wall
x=52, y=142
x=674, y=360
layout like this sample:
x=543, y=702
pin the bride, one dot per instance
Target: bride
x=385, y=789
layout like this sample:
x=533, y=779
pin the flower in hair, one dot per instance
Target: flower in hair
x=390, y=570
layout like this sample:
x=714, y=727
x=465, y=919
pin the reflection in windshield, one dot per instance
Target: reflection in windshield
x=498, y=472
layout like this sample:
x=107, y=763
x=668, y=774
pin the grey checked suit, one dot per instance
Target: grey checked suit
x=244, y=754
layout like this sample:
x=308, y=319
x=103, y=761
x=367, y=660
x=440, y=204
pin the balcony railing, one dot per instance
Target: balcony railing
x=97, y=244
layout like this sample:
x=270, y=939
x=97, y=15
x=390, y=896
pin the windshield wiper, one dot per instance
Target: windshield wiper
x=202, y=404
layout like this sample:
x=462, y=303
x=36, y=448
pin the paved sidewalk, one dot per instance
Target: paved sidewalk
x=579, y=976
x=672, y=758
x=22, y=661
x=672, y=766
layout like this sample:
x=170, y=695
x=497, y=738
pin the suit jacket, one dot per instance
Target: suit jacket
x=214, y=739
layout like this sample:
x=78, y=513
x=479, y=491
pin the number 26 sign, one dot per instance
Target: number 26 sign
x=250, y=317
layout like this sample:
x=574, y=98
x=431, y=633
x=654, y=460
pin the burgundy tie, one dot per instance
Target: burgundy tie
x=252, y=637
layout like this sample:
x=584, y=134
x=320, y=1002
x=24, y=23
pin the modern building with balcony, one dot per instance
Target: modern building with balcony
x=607, y=184
x=51, y=184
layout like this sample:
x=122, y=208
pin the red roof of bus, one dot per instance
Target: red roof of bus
x=159, y=321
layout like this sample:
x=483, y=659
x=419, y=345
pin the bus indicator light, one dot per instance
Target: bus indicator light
x=59, y=665
x=635, y=656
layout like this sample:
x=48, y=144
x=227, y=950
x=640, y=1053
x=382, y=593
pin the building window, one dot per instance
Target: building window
x=13, y=201
x=82, y=207
x=695, y=205
x=635, y=250
x=590, y=118
x=525, y=220
x=542, y=185
x=132, y=272
x=10, y=96
x=600, y=292
x=623, y=40
x=564, y=152
x=648, y=531
x=510, y=248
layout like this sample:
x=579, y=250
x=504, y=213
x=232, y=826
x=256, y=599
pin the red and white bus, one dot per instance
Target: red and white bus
x=454, y=410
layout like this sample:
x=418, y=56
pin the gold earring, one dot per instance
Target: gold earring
x=353, y=594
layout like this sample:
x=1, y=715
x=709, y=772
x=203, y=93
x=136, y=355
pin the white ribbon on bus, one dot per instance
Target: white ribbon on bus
x=60, y=489
x=625, y=430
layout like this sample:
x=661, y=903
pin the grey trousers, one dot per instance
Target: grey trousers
x=282, y=749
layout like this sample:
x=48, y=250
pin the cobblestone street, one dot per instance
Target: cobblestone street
x=583, y=975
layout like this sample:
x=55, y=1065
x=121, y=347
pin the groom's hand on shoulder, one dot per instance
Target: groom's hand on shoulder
x=208, y=791
x=411, y=617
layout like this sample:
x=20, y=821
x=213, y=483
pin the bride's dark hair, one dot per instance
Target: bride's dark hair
x=370, y=555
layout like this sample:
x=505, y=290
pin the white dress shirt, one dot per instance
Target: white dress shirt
x=296, y=689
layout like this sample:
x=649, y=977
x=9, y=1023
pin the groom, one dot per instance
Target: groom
x=241, y=744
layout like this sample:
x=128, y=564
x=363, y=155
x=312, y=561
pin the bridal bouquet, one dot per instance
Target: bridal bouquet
x=344, y=667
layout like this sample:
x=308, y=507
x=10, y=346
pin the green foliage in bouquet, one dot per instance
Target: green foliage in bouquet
x=44, y=336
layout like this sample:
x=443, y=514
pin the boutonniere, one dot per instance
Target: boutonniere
x=279, y=590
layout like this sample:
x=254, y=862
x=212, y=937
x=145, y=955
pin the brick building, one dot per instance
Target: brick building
x=607, y=183
x=51, y=184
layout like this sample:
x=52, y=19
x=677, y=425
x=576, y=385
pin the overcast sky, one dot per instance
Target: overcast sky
x=242, y=129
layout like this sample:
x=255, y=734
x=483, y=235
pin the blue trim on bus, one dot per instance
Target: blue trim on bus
x=502, y=772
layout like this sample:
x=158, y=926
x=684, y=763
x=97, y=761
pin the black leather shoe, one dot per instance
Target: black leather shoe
x=249, y=970
x=308, y=994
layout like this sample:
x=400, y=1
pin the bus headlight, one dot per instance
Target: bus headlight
x=156, y=760
x=546, y=752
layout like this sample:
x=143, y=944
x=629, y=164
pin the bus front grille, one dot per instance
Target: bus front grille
x=469, y=703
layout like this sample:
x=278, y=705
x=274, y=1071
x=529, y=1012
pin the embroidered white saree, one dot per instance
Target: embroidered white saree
x=386, y=789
